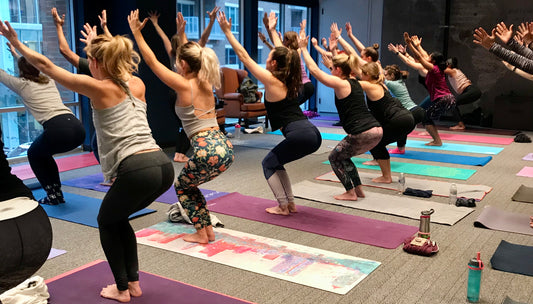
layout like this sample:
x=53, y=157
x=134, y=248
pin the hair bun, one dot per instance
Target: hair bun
x=375, y=46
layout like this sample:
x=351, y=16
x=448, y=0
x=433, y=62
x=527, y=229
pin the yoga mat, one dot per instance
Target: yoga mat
x=333, y=224
x=55, y=252
x=526, y=172
x=421, y=145
x=324, y=124
x=418, y=169
x=523, y=194
x=327, y=117
x=399, y=205
x=497, y=219
x=92, y=182
x=79, y=209
x=63, y=163
x=508, y=300
x=467, y=138
x=513, y=258
x=440, y=188
x=268, y=142
x=528, y=157
x=444, y=158
x=312, y=267
x=83, y=286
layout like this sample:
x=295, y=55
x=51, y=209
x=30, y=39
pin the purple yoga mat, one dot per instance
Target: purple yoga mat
x=92, y=182
x=338, y=225
x=83, y=286
x=324, y=124
x=327, y=117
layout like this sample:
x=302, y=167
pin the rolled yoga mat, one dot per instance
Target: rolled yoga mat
x=513, y=258
x=83, y=286
x=523, y=194
x=497, y=219
x=66, y=163
x=419, y=169
x=399, y=205
x=333, y=224
x=79, y=209
x=439, y=188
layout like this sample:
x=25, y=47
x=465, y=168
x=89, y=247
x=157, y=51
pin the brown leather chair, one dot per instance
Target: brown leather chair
x=234, y=105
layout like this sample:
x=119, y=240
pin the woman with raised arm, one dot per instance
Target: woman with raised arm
x=364, y=131
x=368, y=54
x=62, y=131
x=127, y=149
x=282, y=81
x=198, y=72
x=440, y=95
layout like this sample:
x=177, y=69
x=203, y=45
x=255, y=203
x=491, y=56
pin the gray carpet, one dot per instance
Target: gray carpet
x=402, y=278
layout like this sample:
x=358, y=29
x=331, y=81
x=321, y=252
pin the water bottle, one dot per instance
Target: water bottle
x=237, y=131
x=475, y=266
x=401, y=182
x=423, y=229
x=453, y=194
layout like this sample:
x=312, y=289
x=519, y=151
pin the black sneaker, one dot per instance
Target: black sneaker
x=47, y=201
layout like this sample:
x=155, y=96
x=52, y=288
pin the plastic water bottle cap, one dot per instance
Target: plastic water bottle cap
x=237, y=126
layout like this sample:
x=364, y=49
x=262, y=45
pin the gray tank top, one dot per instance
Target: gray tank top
x=121, y=130
x=191, y=123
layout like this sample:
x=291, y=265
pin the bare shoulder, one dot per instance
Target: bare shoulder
x=137, y=88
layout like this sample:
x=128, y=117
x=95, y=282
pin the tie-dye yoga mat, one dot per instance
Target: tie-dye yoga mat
x=299, y=264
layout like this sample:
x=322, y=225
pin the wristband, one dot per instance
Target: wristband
x=397, y=53
x=330, y=68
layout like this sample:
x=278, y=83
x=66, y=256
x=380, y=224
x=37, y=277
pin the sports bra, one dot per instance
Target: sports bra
x=191, y=123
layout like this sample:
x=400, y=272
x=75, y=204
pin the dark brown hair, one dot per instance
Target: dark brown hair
x=28, y=71
x=372, y=52
x=288, y=69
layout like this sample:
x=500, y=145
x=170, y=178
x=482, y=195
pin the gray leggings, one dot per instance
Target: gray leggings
x=352, y=145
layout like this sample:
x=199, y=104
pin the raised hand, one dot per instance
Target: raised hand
x=88, y=33
x=261, y=36
x=303, y=26
x=401, y=48
x=303, y=41
x=504, y=33
x=482, y=38
x=332, y=42
x=327, y=61
x=392, y=48
x=213, y=14
x=324, y=42
x=225, y=24
x=12, y=50
x=135, y=24
x=272, y=21
x=103, y=19
x=58, y=20
x=525, y=31
x=407, y=39
x=348, y=27
x=7, y=31
x=314, y=42
x=335, y=30
x=416, y=41
x=180, y=23
x=154, y=17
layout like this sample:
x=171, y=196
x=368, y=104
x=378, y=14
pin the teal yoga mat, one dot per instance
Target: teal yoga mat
x=421, y=145
x=79, y=209
x=444, y=158
x=418, y=169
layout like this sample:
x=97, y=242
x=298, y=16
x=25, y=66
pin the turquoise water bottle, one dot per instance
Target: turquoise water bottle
x=475, y=266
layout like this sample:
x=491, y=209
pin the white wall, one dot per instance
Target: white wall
x=366, y=19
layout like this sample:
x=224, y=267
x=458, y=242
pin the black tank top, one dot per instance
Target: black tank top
x=283, y=112
x=386, y=108
x=354, y=114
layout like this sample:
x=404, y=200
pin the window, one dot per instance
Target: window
x=260, y=14
x=232, y=60
x=19, y=128
x=190, y=14
x=232, y=11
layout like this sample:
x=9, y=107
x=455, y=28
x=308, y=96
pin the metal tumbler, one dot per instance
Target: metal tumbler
x=423, y=230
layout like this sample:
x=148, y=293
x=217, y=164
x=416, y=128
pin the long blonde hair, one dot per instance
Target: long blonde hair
x=347, y=63
x=116, y=55
x=202, y=61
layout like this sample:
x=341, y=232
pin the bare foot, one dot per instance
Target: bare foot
x=359, y=191
x=459, y=126
x=292, y=207
x=200, y=236
x=210, y=233
x=423, y=133
x=112, y=292
x=433, y=143
x=382, y=179
x=531, y=221
x=278, y=210
x=180, y=158
x=371, y=163
x=347, y=196
x=108, y=183
x=135, y=289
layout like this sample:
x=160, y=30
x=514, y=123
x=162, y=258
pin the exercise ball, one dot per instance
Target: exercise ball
x=25, y=240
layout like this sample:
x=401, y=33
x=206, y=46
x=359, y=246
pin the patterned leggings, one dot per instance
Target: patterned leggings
x=213, y=154
x=352, y=145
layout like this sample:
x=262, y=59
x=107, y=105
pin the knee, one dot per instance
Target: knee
x=269, y=163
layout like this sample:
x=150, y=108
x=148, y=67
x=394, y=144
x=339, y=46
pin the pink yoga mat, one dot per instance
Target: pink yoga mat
x=83, y=285
x=526, y=171
x=63, y=163
x=529, y=156
x=468, y=138
x=333, y=224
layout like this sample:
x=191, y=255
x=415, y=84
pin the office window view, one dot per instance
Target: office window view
x=31, y=19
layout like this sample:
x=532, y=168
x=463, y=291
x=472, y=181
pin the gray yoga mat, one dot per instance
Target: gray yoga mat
x=523, y=194
x=513, y=258
x=497, y=219
x=508, y=300
x=400, y=205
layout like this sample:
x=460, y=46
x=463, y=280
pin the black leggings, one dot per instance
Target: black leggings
x=469, y=95
x=393, y=130
x=61, y=133
x=141, y=178
x=419, y=114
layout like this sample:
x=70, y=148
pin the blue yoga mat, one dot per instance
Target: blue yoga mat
x=421, y=145
x=444, y=158
x=92, y=182
x=79, y=209
x=418, y=169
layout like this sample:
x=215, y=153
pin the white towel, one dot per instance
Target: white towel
x=31, y=291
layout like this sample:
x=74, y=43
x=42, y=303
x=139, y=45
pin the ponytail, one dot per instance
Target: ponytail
x=202, y=61
x=31, y=73
x=289, y=69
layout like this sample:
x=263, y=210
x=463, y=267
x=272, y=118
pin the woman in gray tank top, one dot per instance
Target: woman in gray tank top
x=129, y=153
